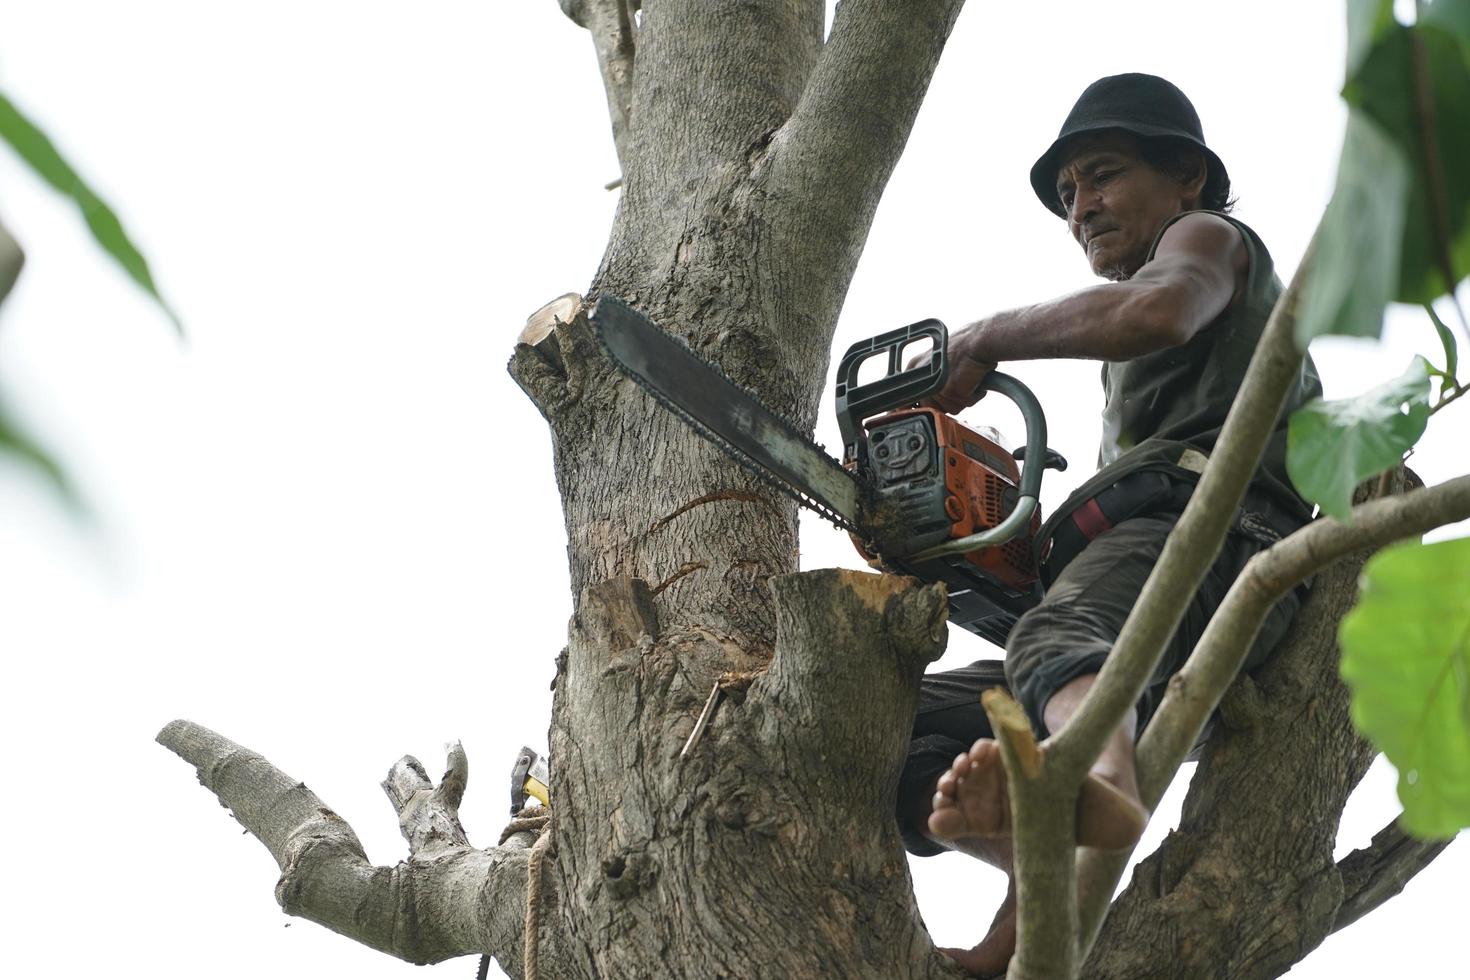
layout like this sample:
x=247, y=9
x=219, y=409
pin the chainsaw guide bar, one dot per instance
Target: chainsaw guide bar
x=729, y=416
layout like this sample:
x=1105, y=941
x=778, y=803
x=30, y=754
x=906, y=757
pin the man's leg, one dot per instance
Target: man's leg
x=1052, y=660
x=949, y=720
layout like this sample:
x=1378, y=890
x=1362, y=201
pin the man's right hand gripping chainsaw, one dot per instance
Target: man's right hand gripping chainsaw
x=921, y=493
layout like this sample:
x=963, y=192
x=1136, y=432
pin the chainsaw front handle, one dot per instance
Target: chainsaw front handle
x=1018, y=521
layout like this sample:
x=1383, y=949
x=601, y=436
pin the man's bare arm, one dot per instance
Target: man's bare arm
x=1199, y=268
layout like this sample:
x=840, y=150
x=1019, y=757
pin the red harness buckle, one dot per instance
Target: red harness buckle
x=1091, y=520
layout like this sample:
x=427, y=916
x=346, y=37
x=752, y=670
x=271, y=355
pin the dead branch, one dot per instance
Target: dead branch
x=447, y=900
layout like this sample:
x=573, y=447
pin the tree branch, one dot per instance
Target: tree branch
x=614, y=29
x=833, y=157
x=448, y=900
x=1043, y=815
x=1374, y=874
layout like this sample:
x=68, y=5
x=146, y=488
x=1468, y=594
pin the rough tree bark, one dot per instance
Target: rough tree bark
x=754, y=153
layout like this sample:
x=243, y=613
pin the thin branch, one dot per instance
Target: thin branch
x=1374, y=874
x=614, y=28
x=1450, y=398
x=1196, y=689
x=1043, y=818
x=1195, y=541
x=452, y=901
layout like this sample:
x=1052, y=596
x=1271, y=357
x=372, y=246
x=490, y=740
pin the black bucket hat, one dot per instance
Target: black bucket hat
x=1145, y=105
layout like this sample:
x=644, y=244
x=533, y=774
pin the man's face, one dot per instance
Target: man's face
x=1116, y=201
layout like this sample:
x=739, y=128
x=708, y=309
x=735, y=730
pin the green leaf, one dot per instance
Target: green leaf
x=1453, y=16
x=1356, y=249
x=37, y=150
x=1367, y=21
x=1406, y=658
x=1332, y=446
x=1383, y=89
x=1447, y=340
x=16, y=443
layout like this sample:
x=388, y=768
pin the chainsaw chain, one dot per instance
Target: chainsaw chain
x=730, y=449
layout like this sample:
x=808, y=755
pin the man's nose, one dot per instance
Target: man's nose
x=1084, y=206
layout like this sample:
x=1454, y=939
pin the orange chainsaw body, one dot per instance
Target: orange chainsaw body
x=953, y=482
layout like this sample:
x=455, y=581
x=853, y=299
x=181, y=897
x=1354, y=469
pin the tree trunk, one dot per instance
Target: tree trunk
x=770, y=849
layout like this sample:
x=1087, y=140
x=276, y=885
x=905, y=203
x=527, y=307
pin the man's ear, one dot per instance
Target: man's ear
x=1194, y=172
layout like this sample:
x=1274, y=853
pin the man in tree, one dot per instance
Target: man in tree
x=1191, y=289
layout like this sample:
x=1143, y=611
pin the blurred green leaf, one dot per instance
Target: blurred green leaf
x=1367, y=21
x=1332, y=446
x=1447, y=340
x=15, y=443
x=1356, y=249
x=37, y=150
x=1453, y=16
x=1383, y=89
x=1406, y=658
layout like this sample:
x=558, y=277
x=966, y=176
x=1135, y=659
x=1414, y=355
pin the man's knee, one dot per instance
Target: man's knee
x=1047, y=650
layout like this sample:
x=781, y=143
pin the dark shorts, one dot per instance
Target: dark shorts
x=1068, y=635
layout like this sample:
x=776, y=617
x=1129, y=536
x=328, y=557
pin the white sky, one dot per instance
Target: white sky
x=327, y=527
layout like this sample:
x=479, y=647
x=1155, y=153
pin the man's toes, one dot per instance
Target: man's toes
x=985, y=752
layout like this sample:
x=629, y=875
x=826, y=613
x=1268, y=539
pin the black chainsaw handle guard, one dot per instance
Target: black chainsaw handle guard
x=901, y=388
x=896, y=389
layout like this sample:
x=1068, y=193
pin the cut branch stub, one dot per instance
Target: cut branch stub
x=783, y=810
x=554, y=354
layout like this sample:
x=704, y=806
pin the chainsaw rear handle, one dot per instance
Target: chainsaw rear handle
x=1034, y=461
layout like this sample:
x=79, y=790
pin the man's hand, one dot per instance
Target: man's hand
x=967, y=372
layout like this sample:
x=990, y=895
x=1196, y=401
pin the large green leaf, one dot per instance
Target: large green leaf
x=1406, y=657
x=1356, y=249
x=1332, y=446
x=1383, y=89
x=37, y=150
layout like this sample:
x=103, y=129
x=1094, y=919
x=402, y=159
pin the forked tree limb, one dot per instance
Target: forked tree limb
x=1195, y=692
x=448, y=900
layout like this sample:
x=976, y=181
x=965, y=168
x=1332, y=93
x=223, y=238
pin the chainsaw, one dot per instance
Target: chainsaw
x=920, y=492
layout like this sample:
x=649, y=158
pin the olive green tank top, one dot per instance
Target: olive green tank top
x=1165, y=410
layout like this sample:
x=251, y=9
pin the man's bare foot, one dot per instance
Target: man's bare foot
x=991, y=957
x=970, y=800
